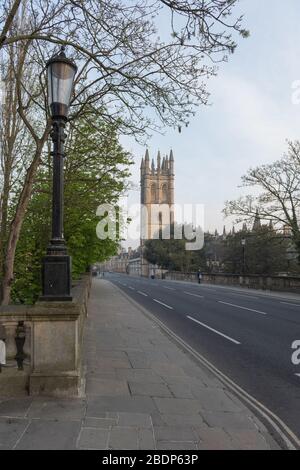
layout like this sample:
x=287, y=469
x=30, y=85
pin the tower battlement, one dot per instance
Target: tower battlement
x=163, y=166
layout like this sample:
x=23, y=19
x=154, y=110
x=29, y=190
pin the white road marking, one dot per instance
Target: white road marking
x=194, y=295
x=298, y=375
x=132, y=288
x=289, y=303
x=248, y=296
x=142, y=293
x=161, y=303
x=169, y=288
x=212, y=329
x=210, y=289
x=243, y=308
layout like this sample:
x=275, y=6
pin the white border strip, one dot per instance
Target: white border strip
x=244, y=308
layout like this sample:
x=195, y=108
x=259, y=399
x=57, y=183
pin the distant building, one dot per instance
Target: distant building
x=157, y=189
x=257, y=222
x=157, y=198
x=157, y=193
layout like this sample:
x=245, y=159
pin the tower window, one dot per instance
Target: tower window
x=153, y=194
x=164, y=193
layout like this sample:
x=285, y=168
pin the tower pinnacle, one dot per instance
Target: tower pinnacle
x=158, y=160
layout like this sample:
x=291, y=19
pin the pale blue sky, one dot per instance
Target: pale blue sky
x=251, y=116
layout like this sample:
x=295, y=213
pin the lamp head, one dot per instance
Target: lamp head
x=61, y=72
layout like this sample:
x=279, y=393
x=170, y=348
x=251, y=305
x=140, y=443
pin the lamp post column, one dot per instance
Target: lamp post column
x=56, y=265
x=58, y=138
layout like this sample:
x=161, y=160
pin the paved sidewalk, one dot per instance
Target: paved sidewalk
x=142, y=392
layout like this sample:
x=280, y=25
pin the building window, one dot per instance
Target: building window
x=164, y=193
x=153, y=193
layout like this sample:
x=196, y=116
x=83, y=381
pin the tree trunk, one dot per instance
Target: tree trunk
x=16, y=224
x=9, y=131
x=4, y=205
x=3, y=231
x=9, y=21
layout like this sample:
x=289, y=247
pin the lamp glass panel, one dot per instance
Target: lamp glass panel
x=60, y=82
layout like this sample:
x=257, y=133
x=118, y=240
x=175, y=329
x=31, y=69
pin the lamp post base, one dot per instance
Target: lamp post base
x=56, y=277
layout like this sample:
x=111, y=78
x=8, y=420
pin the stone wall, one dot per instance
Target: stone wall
x=276, y=283
x=44, y=345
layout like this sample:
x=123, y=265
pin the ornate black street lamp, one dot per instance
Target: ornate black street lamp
x=56, y=268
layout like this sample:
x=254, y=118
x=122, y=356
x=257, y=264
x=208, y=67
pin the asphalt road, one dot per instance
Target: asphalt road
x=246, y=335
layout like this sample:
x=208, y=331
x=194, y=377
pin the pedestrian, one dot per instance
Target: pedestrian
x=199, y=275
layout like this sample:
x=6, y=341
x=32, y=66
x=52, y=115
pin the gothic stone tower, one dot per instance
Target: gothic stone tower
x=157, y=193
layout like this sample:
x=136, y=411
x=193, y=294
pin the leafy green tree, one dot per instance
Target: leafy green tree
x=124, y=65
x=172, y=254
x=96, y=171
x=265, y=252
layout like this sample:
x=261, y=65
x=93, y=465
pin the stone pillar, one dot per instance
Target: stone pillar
x=52, y=347
x=56, y=359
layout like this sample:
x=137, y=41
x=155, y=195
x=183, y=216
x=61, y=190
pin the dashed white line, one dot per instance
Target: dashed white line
x=248, y=296
x=169, y=288
x=207, y=288
x=212, y=329
x=194, y=295
x=243, y=308
x=161, y=303
x=142, y=293
x=132, y=288
x=298, y=375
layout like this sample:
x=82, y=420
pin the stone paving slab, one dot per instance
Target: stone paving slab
x=142, y=392
x=150, y=389
x=130, y=404
x=180, y=420
x=102, y=423
x=63, y=410
x=52, y=435
x=93, y=438
x=15, y=408
x=11, y=430
x=104, y=387
x=123, y=437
